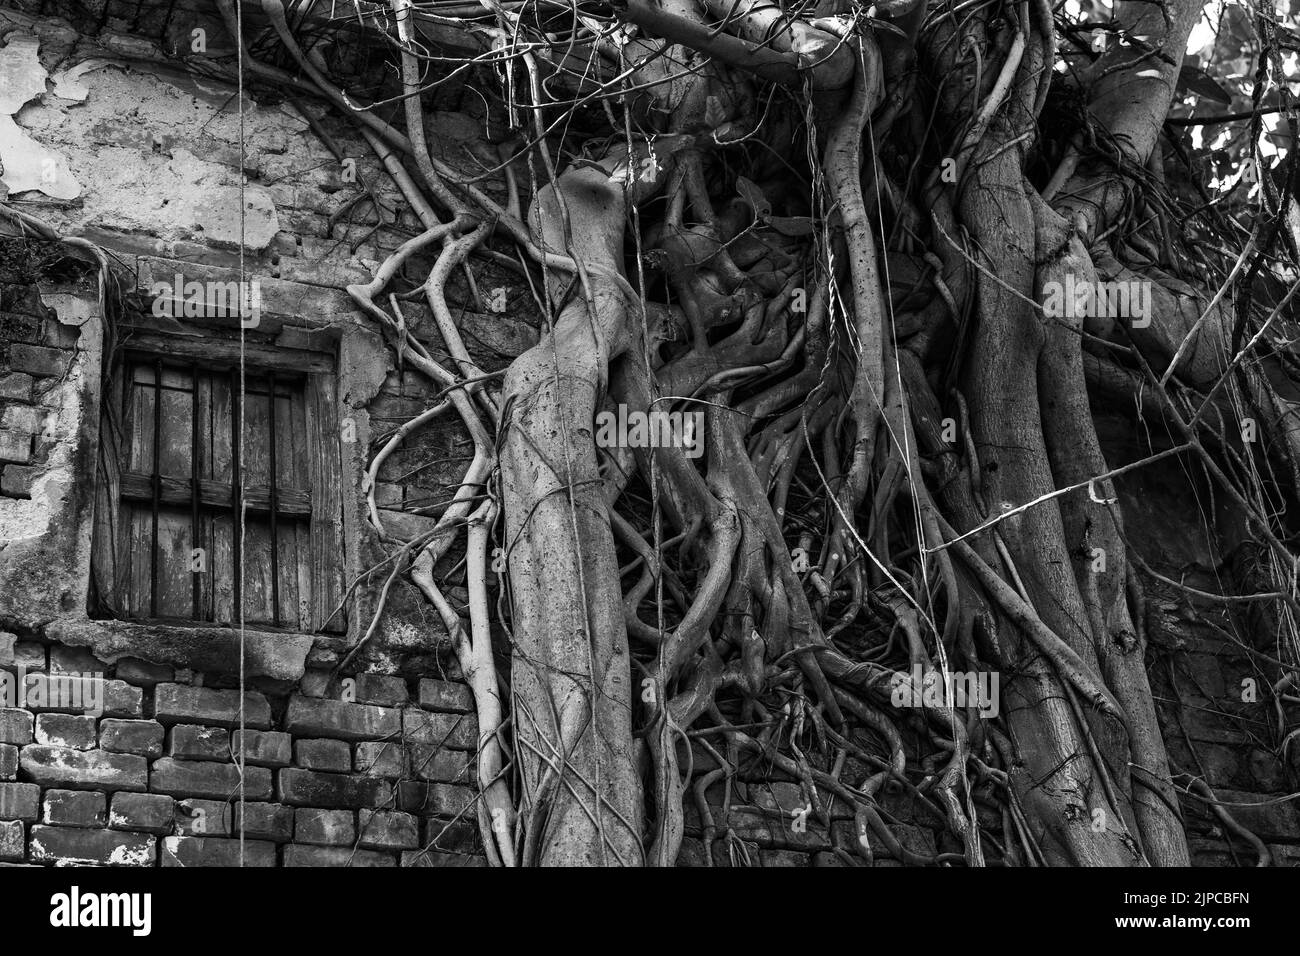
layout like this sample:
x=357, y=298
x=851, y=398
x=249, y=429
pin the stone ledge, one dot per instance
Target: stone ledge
x=280, y=656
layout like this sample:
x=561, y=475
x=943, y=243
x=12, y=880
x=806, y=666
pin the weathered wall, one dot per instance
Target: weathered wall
x=373, y=780
x=1212, y=665
x=103, y=140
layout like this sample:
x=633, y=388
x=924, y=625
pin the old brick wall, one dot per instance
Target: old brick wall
x=1213, y=666
x=369, y=766
x=380, y=778
x=118, y=146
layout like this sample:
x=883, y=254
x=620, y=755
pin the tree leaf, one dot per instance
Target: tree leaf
x=715, y=114
x=752, y=194
x=1194, y=79
x=791, y=225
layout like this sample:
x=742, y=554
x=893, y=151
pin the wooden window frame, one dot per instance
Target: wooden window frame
x=212, y=353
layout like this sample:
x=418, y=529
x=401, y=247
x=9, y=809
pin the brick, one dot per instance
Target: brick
x=266, y=821
x=143, y=737
x=263, y=748
x=450, y=836
x=203, y=818
x=15, y=726
x=310, y=788
x=15, y=446
x=8, y=762
x=380, y=689
x=309, y=717
x=315, y=683
x=65, y=693
x=300, y=856
x=1266, y=772
x=74, y=808
x=750, y=825
x=324, y=827
x=434, y=798
x=122, y=700
x=16, y=480
x=440, y=766
x=16, y=385
x=22, y=418
x=13, y=841
x=83, y=769
x=20, y=801
x=66, y=730
x=387, y=830
x=75, y=660
x=388, y=495
x=70, y=693
x=37, y=360
x=1267, y=820
x=209, y=851
x=142, y=673
x=436, y=858
x=328, y=658
x=330, y=755
x=1284, y=855
x=105, y=847
x=216, y=781
x=180, y=704
x=192, y=742
x=382, y=759
x=782, y=797
x=457, y=731
x=60, y=336
x=30, y=655
x=147, y=812
x=1215, y=727
x=446, y=696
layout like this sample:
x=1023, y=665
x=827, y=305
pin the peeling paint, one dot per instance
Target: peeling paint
x=23, y=519
x=24, y=163
x=178, y=177
x=68, y=85
x=29, y=165
x=22, y=78
x=132, y=856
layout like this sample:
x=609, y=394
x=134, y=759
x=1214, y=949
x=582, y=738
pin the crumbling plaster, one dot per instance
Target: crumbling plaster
x=149, y=151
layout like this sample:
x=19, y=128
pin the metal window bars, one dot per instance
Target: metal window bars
x=199, y=433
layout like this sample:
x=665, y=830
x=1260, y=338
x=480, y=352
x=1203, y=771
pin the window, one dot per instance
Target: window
x=168, y=545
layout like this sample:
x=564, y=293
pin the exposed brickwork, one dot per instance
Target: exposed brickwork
x=177, y=703
x=1216, y=704
x=344, y=783
x=146, y=812
x=349, y=770
x=324, y=827
x=211, y=851
x=191, y=742
x=263, y=748
x=74, y=808
x=65, y=845
x=142, y=737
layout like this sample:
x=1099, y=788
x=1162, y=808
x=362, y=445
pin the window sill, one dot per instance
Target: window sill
x=278, y=655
